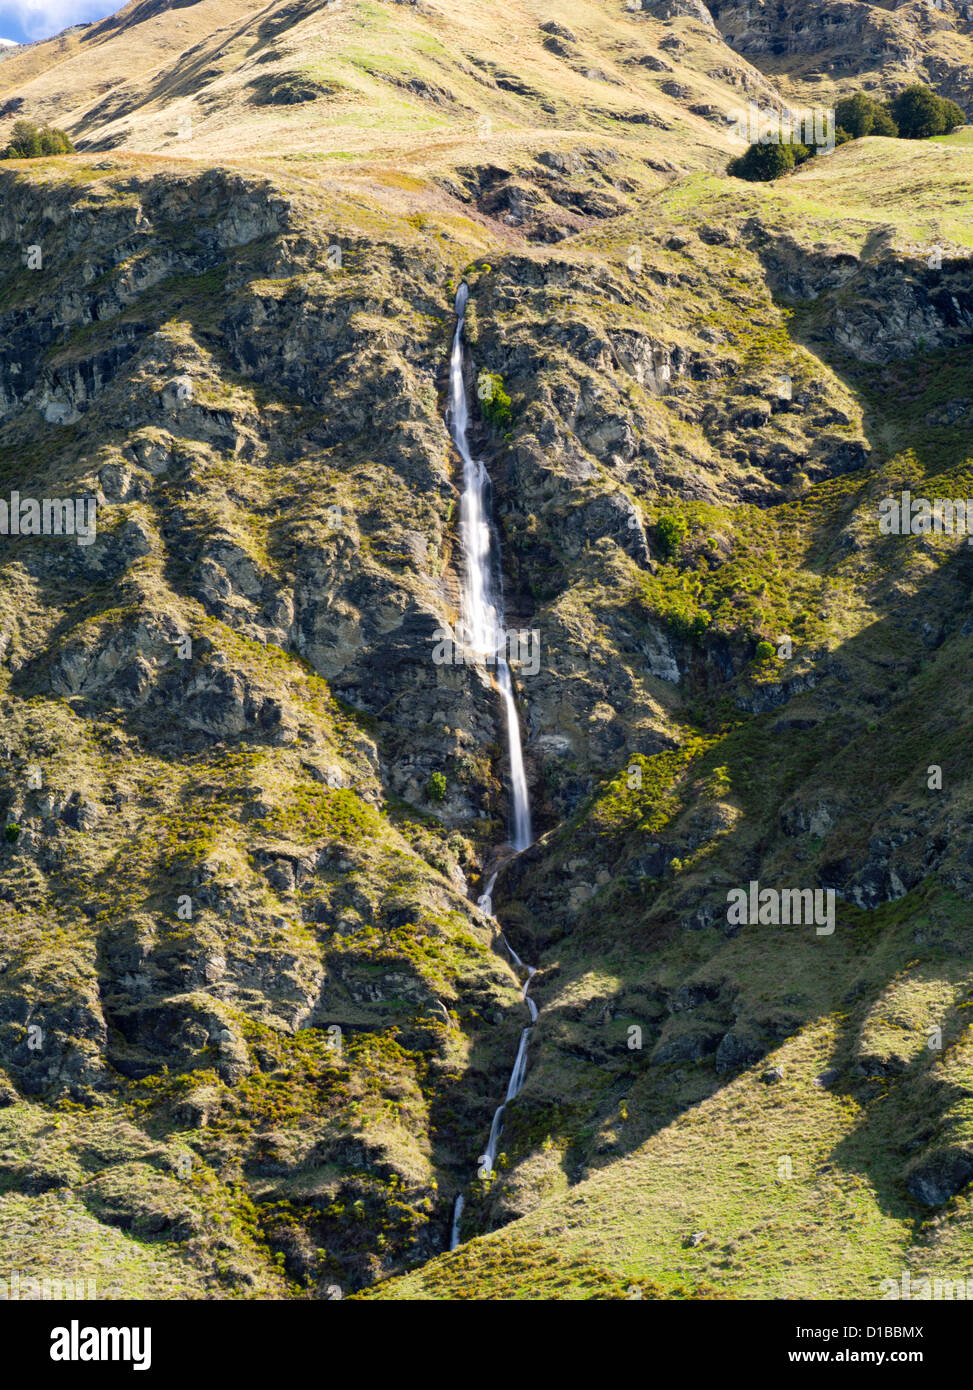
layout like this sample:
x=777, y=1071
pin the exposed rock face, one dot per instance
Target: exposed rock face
x=843, y=40
x=200, y=963
x=251, y=788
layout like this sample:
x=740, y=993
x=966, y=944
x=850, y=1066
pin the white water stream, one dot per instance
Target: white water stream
x=483, y=630
x=484, y=635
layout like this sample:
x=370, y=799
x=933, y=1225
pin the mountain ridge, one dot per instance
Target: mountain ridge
x=253, y=1023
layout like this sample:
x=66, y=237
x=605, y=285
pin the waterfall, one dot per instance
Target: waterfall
x=517, y=1075
x=457, y=1217
x=483, y=630
x=482, y=610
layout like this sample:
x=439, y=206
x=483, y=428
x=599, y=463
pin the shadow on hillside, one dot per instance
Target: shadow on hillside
x=902, y=382
x=887, y=704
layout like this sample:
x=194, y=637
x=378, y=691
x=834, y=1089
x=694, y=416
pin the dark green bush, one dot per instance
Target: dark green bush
x=761, y=163
x=859, y=115
x=11, y=833
x=914, y=114
x=920, y=113
x=689, y=629
x=883, y=122
x=953, y=115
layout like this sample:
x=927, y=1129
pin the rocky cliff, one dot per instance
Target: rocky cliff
x=253, y=1025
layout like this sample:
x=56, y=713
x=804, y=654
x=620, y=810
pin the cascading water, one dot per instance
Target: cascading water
x=482, y=611
x=484, y=635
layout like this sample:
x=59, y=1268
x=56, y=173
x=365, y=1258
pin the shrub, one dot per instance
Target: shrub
x=859, y=115
x=494, y=401
x=689, y=628
x=920, y=113
x=718, y=783
x=436, y=787
x=761, y=163
x=765, y=651
x=671, y=532
x=11, y=832
x=883, y=122
x=28, y=141
x=953, y=115
x=854, y=114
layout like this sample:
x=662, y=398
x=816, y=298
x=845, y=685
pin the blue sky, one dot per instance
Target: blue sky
x=23, y=20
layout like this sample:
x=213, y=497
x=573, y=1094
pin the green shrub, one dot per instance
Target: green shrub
x=920, y=113
x=436, y=787
x=854, y=114
x=883, y=122
x=953, y=115
x=28, y=141
x=859, y=115
x=701, y=622
x=689, y=628
x=494, y=401
x=915, y=114
x=765, y=651
x=718, y=783
x=761, y=163
x=11, y=832
x=671, y=532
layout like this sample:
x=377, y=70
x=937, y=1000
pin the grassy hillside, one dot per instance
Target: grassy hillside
x=253, y=1027
x=338, y=81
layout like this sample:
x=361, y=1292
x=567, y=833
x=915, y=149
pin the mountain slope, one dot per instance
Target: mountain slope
x=327, y=80
x=253, y=1028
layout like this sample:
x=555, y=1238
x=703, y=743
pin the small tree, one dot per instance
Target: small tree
x=856, y=115
x=25, y=142
x=882, y=122
x=28, y=141
x=55, y=142
x=436, y=787
x=919, y=113
x=671, y=532
x=953, y=115
x=860, y=115
x=761, y=163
